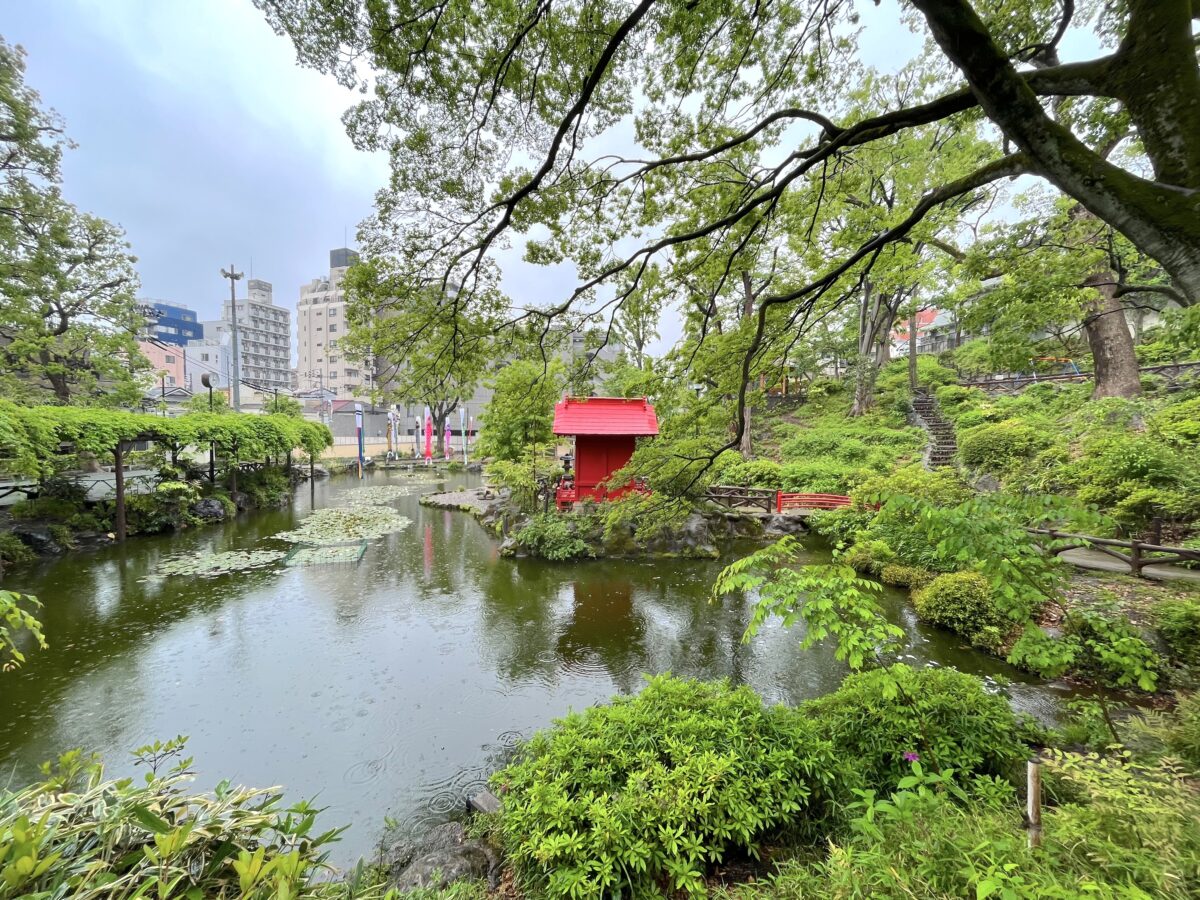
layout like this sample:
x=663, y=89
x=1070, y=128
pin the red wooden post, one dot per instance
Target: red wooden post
x=779, y=501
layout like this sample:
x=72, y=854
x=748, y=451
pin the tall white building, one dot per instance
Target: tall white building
x=212, y=356
x=320, y=325
x=264, y=337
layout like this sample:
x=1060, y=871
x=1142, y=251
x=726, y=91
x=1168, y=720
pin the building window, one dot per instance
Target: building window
x=170, y=359
x=332, y=327
x=203, y=357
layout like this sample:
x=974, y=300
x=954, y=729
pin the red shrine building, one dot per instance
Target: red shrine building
x=606, y=430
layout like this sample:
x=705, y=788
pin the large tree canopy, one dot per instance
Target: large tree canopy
x=67, y=284
x=509, y=118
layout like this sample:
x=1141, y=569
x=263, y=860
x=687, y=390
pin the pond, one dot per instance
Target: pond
x=389, y=686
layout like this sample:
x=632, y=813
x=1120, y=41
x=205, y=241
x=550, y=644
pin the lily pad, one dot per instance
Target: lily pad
x=338, y=524
x=207, y=565
x=377, y=496
x=316, y=556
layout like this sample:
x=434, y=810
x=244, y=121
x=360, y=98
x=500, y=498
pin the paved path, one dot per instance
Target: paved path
x=1093, y=559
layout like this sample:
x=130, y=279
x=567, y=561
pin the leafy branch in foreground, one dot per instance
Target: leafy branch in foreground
x=831, y=601
x=14, y=620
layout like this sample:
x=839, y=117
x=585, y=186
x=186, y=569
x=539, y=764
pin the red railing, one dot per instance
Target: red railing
x=785, y=500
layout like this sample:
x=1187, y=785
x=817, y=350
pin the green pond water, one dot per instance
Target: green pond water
x=391, y=686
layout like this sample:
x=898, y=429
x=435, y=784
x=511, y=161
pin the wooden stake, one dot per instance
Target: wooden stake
x=1033, y=801
x=119, y=484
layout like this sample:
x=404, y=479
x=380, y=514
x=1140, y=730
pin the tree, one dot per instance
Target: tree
x=68, y=318
x=423, y=350
x=491, y=111
x=200, y=403
x=521, y=411
x=283, y=405
x=1062, y=271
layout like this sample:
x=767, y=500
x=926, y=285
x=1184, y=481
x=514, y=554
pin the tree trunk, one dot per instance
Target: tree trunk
x=1161, y=218
x=1108, y=337
x=745, y=445
x=119, y=508
x=912, y=350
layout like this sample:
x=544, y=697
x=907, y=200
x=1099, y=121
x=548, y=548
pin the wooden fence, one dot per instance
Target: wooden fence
x=1137, y=558
x=1171, y=371
x=737, y=497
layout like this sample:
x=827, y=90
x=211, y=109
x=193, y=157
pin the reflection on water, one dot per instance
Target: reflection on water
x=388, y=687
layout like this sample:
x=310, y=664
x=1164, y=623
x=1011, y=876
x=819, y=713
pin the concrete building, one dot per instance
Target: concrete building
x=168, y=361
x=264, y=337
x=212, y=355
x=320, y=325
x=171, y=323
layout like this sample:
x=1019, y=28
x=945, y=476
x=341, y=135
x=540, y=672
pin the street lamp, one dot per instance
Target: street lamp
x=206, y=380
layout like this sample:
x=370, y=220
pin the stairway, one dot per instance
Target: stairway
x=942, y=446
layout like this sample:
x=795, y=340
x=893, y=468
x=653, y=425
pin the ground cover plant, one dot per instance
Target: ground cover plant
x=209, y=565
x=333, y=525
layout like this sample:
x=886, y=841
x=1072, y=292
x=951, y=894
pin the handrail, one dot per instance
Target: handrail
x=1135, y=559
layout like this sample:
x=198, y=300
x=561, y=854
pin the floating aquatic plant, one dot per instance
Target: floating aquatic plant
x=315, y=556
x=338, y=524
x=207, y=565
x=376, y=496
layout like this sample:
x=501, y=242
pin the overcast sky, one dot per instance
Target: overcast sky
x=200, y=135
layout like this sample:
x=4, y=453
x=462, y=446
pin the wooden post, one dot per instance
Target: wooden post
x=1033, y=801
x=119, y=471
x=1135, y=557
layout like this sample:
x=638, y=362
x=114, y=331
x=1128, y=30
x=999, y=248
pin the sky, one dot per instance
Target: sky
x=199, y=134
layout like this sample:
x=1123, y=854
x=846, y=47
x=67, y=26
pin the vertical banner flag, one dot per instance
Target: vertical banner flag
x=358, y=430
x=391, y=428
x=428, y=437
x=448, y=439
x=462, y=427
x=416, y=437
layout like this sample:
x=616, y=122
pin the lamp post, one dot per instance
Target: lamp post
x=237, y=363
x=212, y=446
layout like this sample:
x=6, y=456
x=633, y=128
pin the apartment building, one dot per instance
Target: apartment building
x=264, y=337
x=320, y=326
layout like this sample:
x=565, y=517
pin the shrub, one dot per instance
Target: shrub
x=940, y=487
x=1178, y=621
x=840, y=525
x=905, y=576
x=1111, y=651
x=13, y=550
x=648, y=790
x=962, y=602
x=78, y=834
x=266, y=487
x=868, y=556
x=814, y=443
x=44, y=508
x=1036, y=651
x=998, y=447
x=954, y=400
x=820, y=476
x=893, y=377
x=943, y=715
x=1183, y=732
x=1179, y=424
x=551, y=536
x=765, y=473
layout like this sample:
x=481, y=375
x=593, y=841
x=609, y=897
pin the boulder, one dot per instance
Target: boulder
x=38, y=538
x=241, y=500
x=210, y=510
x=780, y=524
x=441, y=857
x=987, y=484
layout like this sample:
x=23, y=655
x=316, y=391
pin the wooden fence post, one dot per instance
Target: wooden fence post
x=1033, y=801
x=1135, y=557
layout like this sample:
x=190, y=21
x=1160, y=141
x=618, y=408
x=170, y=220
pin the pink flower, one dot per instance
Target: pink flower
x=910, y=756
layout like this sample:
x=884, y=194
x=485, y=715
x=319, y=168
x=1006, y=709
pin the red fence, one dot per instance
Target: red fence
x=784, y=500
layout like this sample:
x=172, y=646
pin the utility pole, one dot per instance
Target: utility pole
x=163, y=381
x=233, y=277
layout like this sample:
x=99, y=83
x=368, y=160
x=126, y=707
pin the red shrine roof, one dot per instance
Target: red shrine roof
x=605, y=415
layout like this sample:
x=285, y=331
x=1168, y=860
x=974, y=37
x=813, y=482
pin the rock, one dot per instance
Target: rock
x=780, y=524
x=209, y=510
x=39, y=539
x=441, y=857
x=320, y=472
x=987, y=484
x=92, y=540
x=241, y=501
x=508, y=547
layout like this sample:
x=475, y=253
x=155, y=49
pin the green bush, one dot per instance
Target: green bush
x=44, y=508
x=905, y=576
x=820, y=476
x=840, y=526
x=1111, y=651
x=77, y=834
x=1036, y=651
x=867, y=556
x=941, y=487
x=944, y=716
x=265, y=487
x=1179, y=424
x=893, y=377
x=1178, y=621
x=824, y=443
x=954, y=400
x=764, y=473
x=13, y=550
x=646, y=792
x=1000, y=447
x=552, y=536
x=962, y=602
x=1183, y=732
x=1129, y=832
